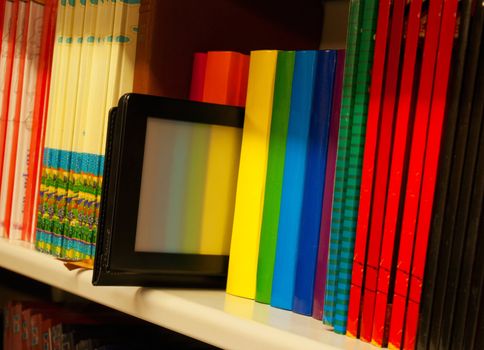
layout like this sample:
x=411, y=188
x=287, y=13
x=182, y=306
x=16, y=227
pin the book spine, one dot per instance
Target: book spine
x=275, y=172
x=417, y=157
x=222, y=79
x=347, y=101
x=322, y=261
x=385, y=144
x=314, y=186
x=439, y=100
x=454, y=121
x=366, y=190
x=355, y=159
x=21, y=173
x=244, y=247
x=43, y=237
x=401, y=141
x=305, y=70
x=12, y=125
x=38, y=120
x=8, y=67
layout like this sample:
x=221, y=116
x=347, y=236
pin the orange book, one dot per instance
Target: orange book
x=226, y=76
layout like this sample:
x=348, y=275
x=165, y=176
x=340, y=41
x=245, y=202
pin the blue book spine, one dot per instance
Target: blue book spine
x=305, y=69
x=314, y=184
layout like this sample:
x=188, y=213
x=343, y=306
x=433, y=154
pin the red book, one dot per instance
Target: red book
x=11, y=140
x=12, y=29
x=2, y=19
x=399, y=151
x=372, y=131
x=39, y=118
x=432, y=153
x=385, y=143
x=198, y=76
x=226, y=78
x=36, y=331
x=415, y=169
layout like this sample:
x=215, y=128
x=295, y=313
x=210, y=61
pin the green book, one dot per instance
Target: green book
x=344, y=138
x=358, y=118
x=275, y=171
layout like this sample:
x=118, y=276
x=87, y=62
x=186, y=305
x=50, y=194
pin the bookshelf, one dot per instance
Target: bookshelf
x=211, y=316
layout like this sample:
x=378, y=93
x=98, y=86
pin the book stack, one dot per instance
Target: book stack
x=359, y=195
x=93, y=65
x=26, y=31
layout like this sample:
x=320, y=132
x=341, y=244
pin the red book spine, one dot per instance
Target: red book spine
x=16, y=120
x=382, y=166
x=198, y=76
x=437, y=115
x=372, y=131
x=39, y=119
x=399, y=151
x=2, y=18
x=8, y=82
x=417, y=153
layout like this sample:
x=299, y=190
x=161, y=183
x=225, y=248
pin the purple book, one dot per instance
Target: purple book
x=320, y=280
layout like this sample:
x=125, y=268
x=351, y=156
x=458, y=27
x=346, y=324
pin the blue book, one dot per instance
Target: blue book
x=304, y=78
x=309, y=227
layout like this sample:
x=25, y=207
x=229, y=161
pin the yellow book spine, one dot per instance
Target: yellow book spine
x=42, y=241
x=220, y=186
x=244, y=247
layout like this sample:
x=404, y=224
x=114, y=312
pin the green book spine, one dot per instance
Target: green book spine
x=348, y=97
x=275, y=171
x=354, y=164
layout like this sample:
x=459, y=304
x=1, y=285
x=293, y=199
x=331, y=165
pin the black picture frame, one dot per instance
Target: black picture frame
x=116, y=261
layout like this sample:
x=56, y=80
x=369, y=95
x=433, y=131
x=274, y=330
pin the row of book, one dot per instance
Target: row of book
x=26, y=29
x=64, y=64
x=31, y=325
x=341, y=185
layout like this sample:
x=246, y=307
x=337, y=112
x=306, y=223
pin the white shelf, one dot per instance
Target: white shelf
x=213, y=317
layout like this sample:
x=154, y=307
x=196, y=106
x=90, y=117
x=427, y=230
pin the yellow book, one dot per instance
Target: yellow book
x=244, y=249
x=87, y=43
x=42, y=241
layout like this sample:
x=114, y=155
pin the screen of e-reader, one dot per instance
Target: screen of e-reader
x=188, y=187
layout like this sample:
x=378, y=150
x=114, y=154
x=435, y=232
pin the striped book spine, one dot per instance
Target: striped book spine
x=348, y=96
x=353, y=179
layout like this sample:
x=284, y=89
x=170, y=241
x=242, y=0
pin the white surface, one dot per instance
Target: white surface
x=210, y=316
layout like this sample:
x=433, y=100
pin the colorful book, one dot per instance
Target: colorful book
x=367, y=173
x=382, y=166
x=274, y=177
x=322, y=261
x=401, y=142
x=43, y=237
x=437, y=117
x=304, y=81
x=314, y=186
x=355, y=158
x=42, y=91
x=20, y=174
x=415, y=170
x=6, y=69
x=13, y=114
x=454, y=120
x=348, y=98
x=244, y=247
x=225, y=83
